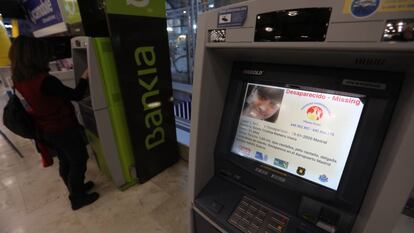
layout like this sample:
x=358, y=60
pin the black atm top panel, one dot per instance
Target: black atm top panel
x=307, y=24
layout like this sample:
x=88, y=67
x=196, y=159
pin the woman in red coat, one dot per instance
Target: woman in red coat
x=53, y=113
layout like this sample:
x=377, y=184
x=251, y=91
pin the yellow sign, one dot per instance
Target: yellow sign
x=364, y=8
x=4, y=46
x=15, y=28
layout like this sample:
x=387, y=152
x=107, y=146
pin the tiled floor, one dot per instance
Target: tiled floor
x=33, y=199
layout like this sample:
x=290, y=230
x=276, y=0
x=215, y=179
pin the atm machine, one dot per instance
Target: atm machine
x=302, y=117
x=102, y=112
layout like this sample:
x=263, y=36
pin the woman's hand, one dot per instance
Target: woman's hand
x=85, y=74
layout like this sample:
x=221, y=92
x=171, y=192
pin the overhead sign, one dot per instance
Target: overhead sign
x=4, y=46
x=70, y=11
x=233, y=17
x=366, y=8
x=43, y=13
x=153, y=8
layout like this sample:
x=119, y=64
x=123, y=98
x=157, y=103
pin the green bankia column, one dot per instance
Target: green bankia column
x=115, y=108
x=140, y=45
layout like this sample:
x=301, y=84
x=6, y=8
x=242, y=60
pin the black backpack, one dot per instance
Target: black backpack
x=17, y=119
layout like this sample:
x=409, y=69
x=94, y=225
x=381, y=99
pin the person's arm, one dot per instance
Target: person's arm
x=52, y=86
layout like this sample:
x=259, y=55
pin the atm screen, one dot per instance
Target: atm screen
x=304, y=132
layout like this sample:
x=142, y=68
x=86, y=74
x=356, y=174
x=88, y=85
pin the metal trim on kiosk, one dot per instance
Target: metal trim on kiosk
x=352, y=42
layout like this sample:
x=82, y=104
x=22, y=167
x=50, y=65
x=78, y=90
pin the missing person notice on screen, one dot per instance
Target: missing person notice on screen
x=308, y=134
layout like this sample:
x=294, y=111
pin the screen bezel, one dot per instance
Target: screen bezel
x=377, y=101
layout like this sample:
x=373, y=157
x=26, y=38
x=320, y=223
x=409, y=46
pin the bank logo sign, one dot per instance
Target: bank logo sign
x=70, y=7
x=70, y=11
x=138, y=3
x=364, y=8
x=147, y=8
x=42, y=13
x=143, y=66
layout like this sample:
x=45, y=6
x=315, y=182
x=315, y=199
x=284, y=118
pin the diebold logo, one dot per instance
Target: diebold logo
x=314, y=113
x=253, y=72
x=138, y=3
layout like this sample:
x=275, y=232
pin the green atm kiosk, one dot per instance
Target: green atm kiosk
x=102, y=111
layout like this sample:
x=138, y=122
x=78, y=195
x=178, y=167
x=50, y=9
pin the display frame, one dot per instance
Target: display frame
x=357, y=172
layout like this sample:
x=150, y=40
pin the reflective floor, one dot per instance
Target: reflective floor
x=33, y=199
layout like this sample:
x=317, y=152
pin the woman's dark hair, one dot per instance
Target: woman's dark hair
x=273, y=94
x=29, y=57
x=269, y=93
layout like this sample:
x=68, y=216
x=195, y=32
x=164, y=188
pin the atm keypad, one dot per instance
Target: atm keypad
x=253, y=217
